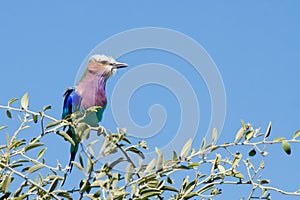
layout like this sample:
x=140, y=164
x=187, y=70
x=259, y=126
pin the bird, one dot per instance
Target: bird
x=89, y=92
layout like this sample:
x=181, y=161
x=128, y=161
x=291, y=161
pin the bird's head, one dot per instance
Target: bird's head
x=104, y=65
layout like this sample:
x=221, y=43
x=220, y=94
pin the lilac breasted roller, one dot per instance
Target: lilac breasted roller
x=89, y=92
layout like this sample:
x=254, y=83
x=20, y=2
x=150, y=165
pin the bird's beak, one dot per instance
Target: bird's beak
x=120, y=65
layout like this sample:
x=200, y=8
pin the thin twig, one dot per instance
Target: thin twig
x=28, y=180
x=28, y=111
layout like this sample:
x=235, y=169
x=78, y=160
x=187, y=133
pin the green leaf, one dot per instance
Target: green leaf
x=215, y=191
x=8, y=114
x=2, y=127
x=47, y=108
x=66, y=137
x=153, y=184
x=217, y=161
x=25, y=169
x=41, y=153
x=264, y=182
x=89, y=164
x=53, y=185
x=135, y=150
x=11, y=101
x=146, y=193
x=286, y=147
x=186, y=148
x=83, y=130
x=93, y=109
x=24, y=101
x=214, y=135
x=221, y=169
x=98, y=183
x=159, y=163
x=238, y=175
x=133, y=189
x=205, y=188
x=268, y=130
x=169, y=188
x=18, y=192
x=35, y=118
x=184, y=183
x=193, y=164
x=150, y=166
x=146, y=179
x=236, y=160
x=116, y=162
x=296, y=134
x=262, y=164
x=239, y=134
x=143, y=144
x=182, y=167
x=17, y=143
x=51, y=124
x=169, y=180
x=202, y=176
x=34, y=168
x=191, y=186
x=7, y=139
x=175, y=157
x=81, y=160
x=126, y=140
x=128, y=174
x=22, y=161
x=85, y=186
x=76, y=164
x=243, y=123
x=264, y=192
x=6, y=183
x=203, y=143
x=64, y=194
x=97, y=194
x=278, y=139
x=33, y=145
x=252, y=152
x=249, y=135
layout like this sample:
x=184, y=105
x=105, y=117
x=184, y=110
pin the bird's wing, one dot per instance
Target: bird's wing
x=71, y=102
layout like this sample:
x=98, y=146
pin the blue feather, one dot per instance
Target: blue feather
x=71, y=104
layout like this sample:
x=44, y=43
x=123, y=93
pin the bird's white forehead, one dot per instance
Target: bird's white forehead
x=100, y=58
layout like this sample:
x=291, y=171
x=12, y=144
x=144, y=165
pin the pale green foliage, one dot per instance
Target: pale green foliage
x=23, y=164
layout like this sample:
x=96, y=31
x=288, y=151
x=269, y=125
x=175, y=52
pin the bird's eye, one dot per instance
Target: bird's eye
x=103, y=62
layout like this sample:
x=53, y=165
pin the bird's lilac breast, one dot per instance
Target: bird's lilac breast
x=92, y=94
x=92, y=98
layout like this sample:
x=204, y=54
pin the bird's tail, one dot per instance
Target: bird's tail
x=73, y=149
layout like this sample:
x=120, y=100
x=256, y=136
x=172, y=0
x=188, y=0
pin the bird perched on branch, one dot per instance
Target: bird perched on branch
x=89, y=92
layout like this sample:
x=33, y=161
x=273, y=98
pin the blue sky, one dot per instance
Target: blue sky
x=255, y=45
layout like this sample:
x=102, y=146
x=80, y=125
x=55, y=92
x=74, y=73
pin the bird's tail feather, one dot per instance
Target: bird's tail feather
x=73, y=149
x=72, y=158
